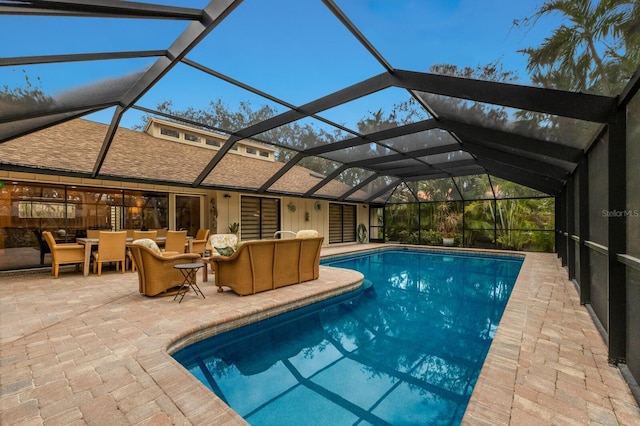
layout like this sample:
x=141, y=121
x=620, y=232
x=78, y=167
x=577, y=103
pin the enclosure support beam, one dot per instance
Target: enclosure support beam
x=558, y=221
x=563, y=228
x=617, y=236
x=583, y=202
x=571, y=227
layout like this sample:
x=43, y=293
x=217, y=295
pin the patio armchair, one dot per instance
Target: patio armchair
x=112, y=247
x=138, y=235
x=199, y=242
x=63, y=254
x=156, y=273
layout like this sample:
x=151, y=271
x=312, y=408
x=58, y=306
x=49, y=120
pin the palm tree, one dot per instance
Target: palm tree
x=593, y=50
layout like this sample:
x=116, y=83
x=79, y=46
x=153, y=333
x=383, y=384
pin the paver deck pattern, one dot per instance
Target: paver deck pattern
x=92, y=350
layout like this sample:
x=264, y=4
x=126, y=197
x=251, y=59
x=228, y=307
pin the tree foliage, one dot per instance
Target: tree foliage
x=26, y=97
x=596, y=49
x=517, y=219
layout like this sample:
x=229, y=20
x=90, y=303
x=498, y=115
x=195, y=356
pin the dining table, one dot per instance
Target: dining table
x=89, y=243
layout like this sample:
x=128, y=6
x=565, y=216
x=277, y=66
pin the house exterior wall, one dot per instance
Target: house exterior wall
x=219, y=207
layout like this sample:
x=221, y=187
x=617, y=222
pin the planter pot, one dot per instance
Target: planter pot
x=448, y=242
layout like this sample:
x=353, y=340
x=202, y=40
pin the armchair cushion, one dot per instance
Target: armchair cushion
x=148, y=243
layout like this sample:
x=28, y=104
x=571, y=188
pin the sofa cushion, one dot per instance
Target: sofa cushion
x=307, y=233
x=148, y=243
x=224, y=240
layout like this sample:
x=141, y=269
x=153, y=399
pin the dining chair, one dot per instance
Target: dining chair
x=63, y=254
x=112, y=247
x=42, y=244
x=93, y=233
x=199, y=243
x=162, y=232
x=175, y=242
x=152, y=235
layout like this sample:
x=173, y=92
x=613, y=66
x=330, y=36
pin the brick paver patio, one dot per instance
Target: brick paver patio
x=92, y=350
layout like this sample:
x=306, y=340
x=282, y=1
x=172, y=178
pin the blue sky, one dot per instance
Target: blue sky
x=294, y=49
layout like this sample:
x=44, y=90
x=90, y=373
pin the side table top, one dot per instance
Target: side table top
x=189, y=265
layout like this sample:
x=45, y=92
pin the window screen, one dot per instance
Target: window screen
x=260, y=218
x=342, y=223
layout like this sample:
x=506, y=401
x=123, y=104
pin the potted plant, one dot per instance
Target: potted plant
x=234, y=227
x=447, y=223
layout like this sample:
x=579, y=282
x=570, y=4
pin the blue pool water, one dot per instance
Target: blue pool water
x=406, y=351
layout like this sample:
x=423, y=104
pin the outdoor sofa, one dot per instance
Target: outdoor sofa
x=263, y=265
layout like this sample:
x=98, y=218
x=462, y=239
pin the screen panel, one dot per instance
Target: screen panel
x=598, y=193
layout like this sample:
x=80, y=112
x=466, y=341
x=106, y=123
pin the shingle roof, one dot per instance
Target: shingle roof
x=140, y=156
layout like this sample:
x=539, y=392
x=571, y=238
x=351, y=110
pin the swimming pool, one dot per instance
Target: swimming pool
x=408, y=350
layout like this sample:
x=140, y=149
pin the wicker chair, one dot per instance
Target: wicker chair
x=112, y=247
x=175, y=243
x=63, y=254
x=162, y=232
x=199, y=243
x=138, y=235
x=93, y=233
x=42, y=244
x=156, y=273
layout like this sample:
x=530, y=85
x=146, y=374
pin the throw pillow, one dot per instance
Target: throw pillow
x=224, y=251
